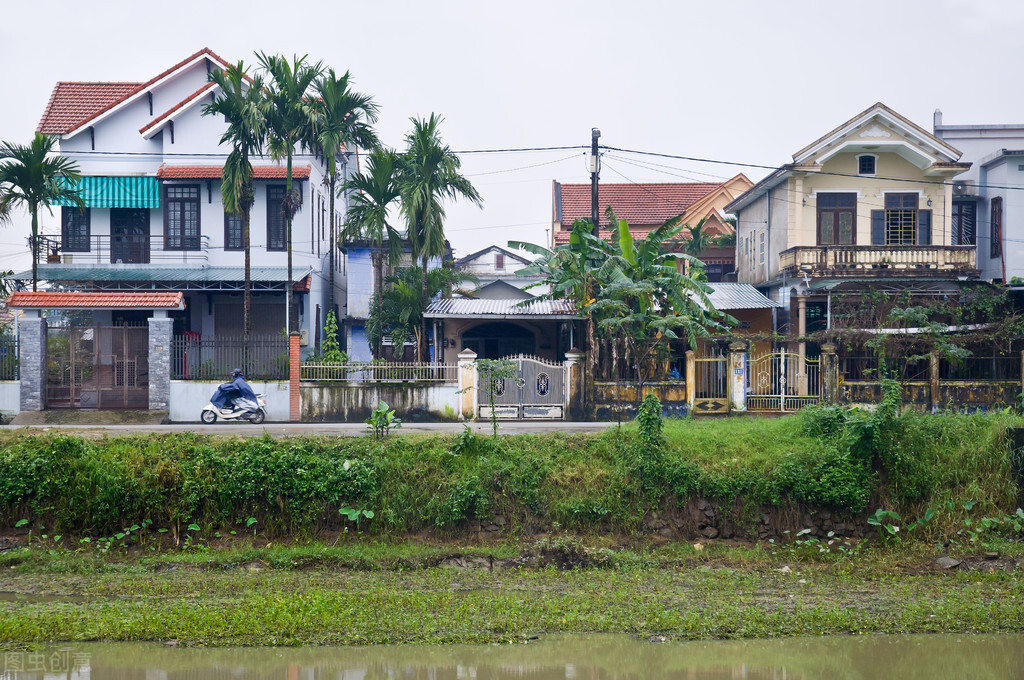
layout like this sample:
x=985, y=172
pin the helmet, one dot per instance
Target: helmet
x=236, y=371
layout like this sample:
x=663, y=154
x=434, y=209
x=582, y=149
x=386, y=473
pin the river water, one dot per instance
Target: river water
x=584, y=657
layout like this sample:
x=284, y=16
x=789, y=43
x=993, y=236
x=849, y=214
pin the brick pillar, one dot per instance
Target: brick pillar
x=574, y=359
x=294, y=372
x=32, y=369
x=160, y=362
x=468, y=379
x=829, y=374
x=738, y=376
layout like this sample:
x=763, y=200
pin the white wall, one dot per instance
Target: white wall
x=353, y=403
x=10, y=397
x=188, y=397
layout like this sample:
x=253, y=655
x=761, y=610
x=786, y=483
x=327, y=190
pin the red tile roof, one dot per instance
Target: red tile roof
x=606, y=234
x=72, y=104
x=215, y=171
x=177, y=107
x=96, y=300
x=649, y=204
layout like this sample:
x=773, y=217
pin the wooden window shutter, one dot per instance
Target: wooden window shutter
x=878, y=227
x=924, y=228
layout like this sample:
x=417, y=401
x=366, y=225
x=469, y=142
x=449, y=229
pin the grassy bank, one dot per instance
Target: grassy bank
x=195, y=487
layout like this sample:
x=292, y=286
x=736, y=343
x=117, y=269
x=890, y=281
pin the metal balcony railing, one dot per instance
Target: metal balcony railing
x=123, y=249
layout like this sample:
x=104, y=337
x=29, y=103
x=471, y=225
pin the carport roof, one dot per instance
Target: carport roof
x=137, y=272
x=477, y=308
x=96, y=301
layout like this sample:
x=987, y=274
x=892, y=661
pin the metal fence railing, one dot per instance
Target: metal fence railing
x=1006, y=368
x=266, y=357
x=358, y=371
x=9, y=358
x=869, y=368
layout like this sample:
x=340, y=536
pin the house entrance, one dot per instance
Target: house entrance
x=782, y=381
x=711, y=388
x=101, y=367
x=499, y=339
x=535, y=392
x=129, y=236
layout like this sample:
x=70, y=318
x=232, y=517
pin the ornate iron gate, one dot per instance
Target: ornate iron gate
x=782, y=381
x=97, y=367
x=711, y=390
x=535, y=392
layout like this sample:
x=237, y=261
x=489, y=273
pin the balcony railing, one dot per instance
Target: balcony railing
x=123, y=249
x=923, y=261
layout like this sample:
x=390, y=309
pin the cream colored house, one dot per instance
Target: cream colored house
x=868, y=203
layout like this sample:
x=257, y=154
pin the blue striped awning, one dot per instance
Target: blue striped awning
x=119, y=192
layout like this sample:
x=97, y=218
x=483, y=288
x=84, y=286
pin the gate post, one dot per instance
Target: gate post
x=829, y=374
x=574, y=384
x=294, y=376
x=738, y=376
x=160, y=361
x=691, y=380
x=933, y=375
x=32, y=358
x=467, y=384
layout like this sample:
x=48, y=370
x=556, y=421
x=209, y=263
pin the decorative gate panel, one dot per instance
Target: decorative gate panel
x=782, y=382
x=711, y=391
x=535, y=392
x=97, y=367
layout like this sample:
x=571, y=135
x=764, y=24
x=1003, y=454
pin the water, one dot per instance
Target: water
x=591, y=657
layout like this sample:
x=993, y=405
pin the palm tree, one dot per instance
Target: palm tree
x=700, y=238
x=242, y=102
x=290, y=123
x=429, y=175
x=374, y=191
x=31, y=177
x=341, y=119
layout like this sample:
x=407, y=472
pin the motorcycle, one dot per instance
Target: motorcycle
x=241, y=409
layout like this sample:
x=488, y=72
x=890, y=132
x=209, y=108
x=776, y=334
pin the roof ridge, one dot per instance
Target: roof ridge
x=167, y=114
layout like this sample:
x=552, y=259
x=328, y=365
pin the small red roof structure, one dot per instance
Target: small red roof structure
x=24, y=300
x=215, y=172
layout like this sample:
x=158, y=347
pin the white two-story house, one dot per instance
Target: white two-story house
x=151, y=167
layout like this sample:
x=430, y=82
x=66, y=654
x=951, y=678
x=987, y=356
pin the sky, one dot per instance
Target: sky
x=746, y=81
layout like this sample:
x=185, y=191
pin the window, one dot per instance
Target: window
x=74, y=230
x=233, y=232
x=964, y=223
x=276, y=227
x=837, y=219
x=499, y=261
x=865, y=165
x=996, y=226
x=181, y=217
x=761, y=248
x=901, y=223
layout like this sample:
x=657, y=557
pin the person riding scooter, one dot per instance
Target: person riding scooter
x=230, y=393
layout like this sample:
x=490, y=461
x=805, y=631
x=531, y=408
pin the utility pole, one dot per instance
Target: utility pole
x=595, y=171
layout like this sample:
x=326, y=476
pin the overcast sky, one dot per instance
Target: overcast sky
x=739, y=80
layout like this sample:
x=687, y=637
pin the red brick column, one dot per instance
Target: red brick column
x=294, y=370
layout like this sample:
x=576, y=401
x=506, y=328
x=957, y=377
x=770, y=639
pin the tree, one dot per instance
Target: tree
x=241, y=101
x=429, y=175
x=373, y=193
x=342, y=118
x=700, y=238
x=403, y=304
x=32, y=178
x=290, y=123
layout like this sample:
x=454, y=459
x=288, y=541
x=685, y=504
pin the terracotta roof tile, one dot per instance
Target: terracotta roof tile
x=177, y=107
x=563, y=236
x=647, y=204
x=215, y=171
x=95, y=300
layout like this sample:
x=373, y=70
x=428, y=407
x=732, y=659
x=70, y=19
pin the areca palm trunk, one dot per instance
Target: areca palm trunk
x=378, y=284
x=334, y=244
x=34, y=209
x=425, y=350
x=289, y=213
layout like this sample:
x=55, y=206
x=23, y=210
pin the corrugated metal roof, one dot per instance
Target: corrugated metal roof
x=136, y=272
x=477, y=307
x=726, y=296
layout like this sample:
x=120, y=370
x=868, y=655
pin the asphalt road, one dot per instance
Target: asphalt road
x=319, y=429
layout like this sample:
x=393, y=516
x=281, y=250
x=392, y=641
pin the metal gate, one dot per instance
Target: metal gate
x=536, y=391
x=711, y=388
x=97, y=367
x=782, y=381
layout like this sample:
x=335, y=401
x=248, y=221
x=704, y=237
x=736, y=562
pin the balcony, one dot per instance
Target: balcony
x=908, y=261
x=122, y=249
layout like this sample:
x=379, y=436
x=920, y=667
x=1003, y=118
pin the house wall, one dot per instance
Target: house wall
x=751, y=222
x=188, y=397
x=1003, y=173
x=340, y=402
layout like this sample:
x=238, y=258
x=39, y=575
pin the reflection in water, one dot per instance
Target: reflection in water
x=593, y=657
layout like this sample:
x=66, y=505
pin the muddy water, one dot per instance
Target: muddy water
x=593, y=657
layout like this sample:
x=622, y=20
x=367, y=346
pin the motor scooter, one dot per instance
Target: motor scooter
x=241, y=409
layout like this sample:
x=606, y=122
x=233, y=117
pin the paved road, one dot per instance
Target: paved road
x=320, y=429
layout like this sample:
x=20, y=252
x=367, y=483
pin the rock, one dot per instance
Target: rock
x=784, y=570
x=666, y=532
x=702, y=504
x=766, y=518
x=709, y=513
x=709, y=532
x=947, y=562
x=991, y=556
x=172, y=643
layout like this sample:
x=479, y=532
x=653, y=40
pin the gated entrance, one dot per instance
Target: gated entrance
x=101, y=367
x=535, y=392
x=782, y=381
x=711, y=390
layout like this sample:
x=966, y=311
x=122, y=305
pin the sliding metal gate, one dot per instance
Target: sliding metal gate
x=535, y=392
x=97, y=367
x=782, y=382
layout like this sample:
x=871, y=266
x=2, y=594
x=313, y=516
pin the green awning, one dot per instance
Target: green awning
x=119, y=192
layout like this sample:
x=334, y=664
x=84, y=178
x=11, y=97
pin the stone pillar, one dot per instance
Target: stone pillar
x=691, y=379
x=160, y=328
x=32, y=368
x=468, y=380
x=933, y=375
x=294, y=373
x=738, y=376
x=829, y=374
x=574, y=401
